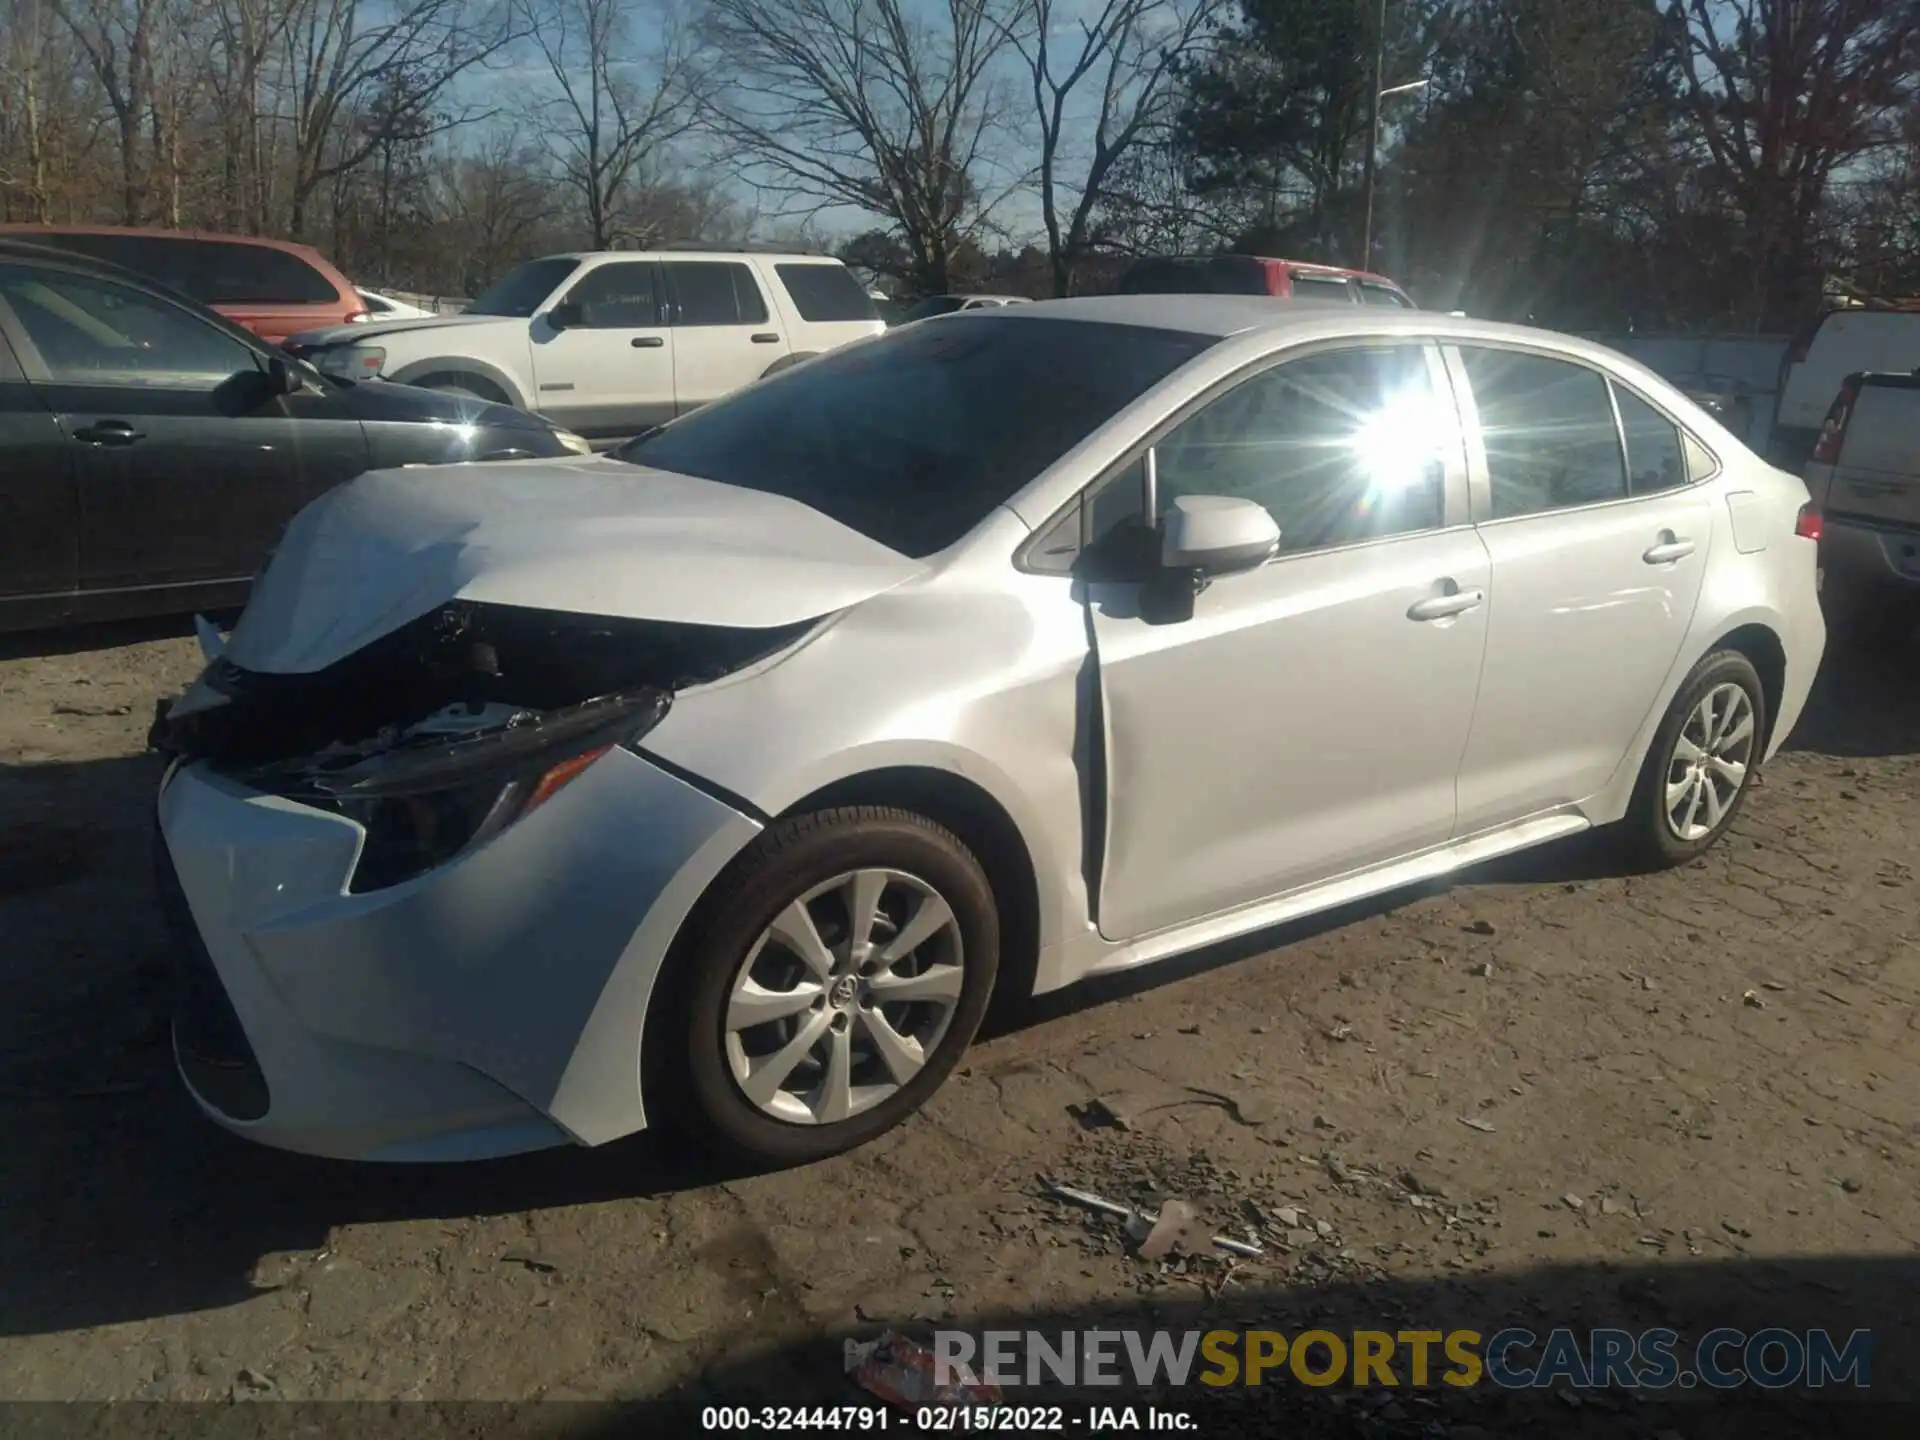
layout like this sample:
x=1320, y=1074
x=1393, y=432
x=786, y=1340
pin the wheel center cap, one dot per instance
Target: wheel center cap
x=845, y=989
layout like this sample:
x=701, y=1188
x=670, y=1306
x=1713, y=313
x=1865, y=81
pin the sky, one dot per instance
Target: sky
x=506, y=87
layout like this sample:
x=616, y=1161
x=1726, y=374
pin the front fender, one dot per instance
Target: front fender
x=414, y=371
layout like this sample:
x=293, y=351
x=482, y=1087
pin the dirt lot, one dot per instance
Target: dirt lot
x=1682, y=1099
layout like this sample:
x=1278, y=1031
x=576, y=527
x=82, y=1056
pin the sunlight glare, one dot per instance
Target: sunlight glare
x=1399, y=443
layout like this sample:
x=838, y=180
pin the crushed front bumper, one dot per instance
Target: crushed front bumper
x=490, y=1006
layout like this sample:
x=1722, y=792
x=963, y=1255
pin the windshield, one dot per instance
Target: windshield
x=931, y=306
x=914, y=438
x=520, y=291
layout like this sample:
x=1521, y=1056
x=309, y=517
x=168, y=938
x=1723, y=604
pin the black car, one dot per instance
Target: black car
x=151, y=451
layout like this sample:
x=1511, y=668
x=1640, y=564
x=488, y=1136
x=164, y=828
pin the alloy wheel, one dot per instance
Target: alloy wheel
x=844, y=997
x=1711, y=758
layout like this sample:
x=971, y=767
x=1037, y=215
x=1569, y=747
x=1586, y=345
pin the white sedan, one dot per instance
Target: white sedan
x=385, y=307
x=724, y=780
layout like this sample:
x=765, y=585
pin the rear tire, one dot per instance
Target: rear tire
x=1701, y=765
x=834, y=1062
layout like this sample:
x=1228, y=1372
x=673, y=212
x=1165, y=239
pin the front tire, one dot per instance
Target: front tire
x=1701, y=764
x=828, y=984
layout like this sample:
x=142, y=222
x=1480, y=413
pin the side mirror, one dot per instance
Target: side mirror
x=567, y=315
x=284, y=377
x=1216, y=535
x=1202, y=536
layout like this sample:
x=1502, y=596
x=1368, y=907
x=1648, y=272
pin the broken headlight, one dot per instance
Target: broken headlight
x=423, y=803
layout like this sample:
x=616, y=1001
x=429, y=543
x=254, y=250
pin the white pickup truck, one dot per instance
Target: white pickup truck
x=608, y=343
x=1865, y=482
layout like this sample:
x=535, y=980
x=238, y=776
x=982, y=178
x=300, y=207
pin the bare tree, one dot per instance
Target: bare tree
x=863, y=103
x=1124, y=56
x=617, y=107
x=117, y=39
x=1782, y=94
x=349, y=58
x=30, y=61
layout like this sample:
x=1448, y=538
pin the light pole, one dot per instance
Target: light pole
x=1376, y=95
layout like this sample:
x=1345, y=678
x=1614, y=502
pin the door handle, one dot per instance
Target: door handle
x=1439, y=607
x=647, y=342
x=108, y=432
x=1670, y=549
x=765, y=337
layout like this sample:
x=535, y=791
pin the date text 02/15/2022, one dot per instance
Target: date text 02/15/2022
x=945, y=1419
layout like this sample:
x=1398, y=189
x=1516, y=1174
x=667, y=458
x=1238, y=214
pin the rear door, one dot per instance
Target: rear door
x=1598, y=546
x=724, y=333
x=38, y=540
x=187, y=464
x=612, y=373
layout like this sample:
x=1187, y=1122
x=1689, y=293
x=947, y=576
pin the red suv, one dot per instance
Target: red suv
x=273, y=287
x=1259, y=275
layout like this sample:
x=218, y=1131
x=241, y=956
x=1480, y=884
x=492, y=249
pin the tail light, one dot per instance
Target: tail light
x=1833, y=430
x=1807, y=524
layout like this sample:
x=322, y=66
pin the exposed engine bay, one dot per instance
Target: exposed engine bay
x=456, y=725
x=471, y=664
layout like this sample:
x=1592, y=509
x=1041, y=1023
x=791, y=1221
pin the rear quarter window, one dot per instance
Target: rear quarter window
x=1322, y=287
x=825, y=294
x=214, y=272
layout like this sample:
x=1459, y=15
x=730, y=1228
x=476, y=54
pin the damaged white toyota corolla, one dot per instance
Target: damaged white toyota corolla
x=725, y=780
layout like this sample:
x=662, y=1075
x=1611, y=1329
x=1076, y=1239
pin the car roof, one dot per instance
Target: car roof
x=1304, y=267
x=1233, y=315
x=694, y=252
x=24, y=231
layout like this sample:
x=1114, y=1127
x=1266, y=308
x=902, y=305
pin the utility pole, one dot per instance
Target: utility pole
x=1373, y=130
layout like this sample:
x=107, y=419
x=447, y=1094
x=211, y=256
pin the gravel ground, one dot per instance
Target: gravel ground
x=1549, y=1094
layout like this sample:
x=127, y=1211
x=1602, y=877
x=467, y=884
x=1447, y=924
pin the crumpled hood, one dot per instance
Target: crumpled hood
x=592, y=536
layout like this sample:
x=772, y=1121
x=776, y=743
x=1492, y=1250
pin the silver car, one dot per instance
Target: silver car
x=724, y=780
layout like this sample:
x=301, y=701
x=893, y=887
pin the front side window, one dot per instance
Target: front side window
x=1656, y=460
x=913, y=438
x=524, y=289
x=715, y=292
x=91, y=331
x=619, y=295
x=1549, y=431
x=1340, y=447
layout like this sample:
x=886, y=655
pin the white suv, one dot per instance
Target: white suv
x=608, y=343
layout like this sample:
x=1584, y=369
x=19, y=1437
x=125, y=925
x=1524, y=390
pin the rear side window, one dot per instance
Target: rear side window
x=826, y=293
x=715, y=292
x=1381, y=295
x=1656, y=460
x=619, y=295
x=1321, y=287
x=1549, y=431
